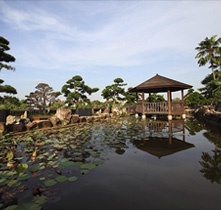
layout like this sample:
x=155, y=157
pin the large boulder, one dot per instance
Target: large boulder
x=54, y=120
x=31, y=125
x=44, y=124
x=75, y=119
x=64, y=115
x=10, y=119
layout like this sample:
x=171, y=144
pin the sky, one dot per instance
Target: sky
x=54, y=40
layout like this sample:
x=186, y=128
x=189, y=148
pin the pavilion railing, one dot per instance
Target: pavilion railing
x=160, y=108
x=156, y=107
x=177, y=107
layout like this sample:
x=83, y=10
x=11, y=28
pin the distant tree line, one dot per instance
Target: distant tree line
x=76, y=92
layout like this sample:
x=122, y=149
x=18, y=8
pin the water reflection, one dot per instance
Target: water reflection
x=211, y=163
x=193, y=126
x=163, y=138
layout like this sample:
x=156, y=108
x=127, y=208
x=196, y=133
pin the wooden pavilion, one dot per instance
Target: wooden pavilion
x=159, y=84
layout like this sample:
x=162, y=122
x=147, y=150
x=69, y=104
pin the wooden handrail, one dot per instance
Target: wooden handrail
x=160, y=107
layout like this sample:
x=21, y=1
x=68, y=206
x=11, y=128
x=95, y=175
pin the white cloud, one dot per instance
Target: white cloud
x=40, y=80
x=135, y=34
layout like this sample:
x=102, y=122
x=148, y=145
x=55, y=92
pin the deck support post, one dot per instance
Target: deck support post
x=169, y=104
x=183, y=115
x=143, y=106
x=143, y=103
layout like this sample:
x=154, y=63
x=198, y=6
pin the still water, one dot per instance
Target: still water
x=149, y=165
x=122, y=163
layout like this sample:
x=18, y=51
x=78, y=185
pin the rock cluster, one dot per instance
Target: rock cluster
x=63, y=116
x=208, y=115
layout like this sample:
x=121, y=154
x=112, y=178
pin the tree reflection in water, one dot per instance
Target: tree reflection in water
x=212, y=163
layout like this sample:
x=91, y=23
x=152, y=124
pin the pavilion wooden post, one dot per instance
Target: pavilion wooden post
x=143, y=107
x=182, y=101
x=136, y=115
x=169, y=104
x=143, y=102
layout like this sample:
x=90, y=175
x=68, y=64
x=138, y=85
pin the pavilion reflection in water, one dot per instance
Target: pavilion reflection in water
x=164, y=138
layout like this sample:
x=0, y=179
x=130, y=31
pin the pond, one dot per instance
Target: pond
x=121, y=163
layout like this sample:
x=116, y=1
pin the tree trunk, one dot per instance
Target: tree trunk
x=214, y=75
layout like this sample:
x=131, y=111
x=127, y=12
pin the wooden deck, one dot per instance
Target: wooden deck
x=158, y=108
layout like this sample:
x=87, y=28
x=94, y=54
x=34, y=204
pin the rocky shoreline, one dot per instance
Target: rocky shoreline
x=208, y=116
x=62, y=118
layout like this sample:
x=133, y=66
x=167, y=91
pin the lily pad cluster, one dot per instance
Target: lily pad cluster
x=44, y=159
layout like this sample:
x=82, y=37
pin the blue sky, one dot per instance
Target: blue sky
x=53, y=41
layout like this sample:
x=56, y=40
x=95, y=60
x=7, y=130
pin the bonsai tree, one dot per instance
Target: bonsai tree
x=130, y=97
x=193, y=98
x=79, y=93
x=156, y=98
x=42, y=97
x=7, y=88
x=115, y=91
x=5, y=58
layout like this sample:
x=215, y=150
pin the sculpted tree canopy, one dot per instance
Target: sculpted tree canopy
x=9, y=102
x=42, y=97
x=209, y=52
x=5, y=57
x=79, y=92
x=130, y=97
x=115, y=91
x=7, y=88
x=193, y=98
x=155, y=98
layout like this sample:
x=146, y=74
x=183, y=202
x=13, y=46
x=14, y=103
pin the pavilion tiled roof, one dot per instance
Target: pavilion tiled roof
x=159, y=83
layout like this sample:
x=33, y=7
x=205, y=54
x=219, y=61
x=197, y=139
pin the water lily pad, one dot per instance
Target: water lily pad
x=61, y=178
x=84, y=171
x=9, y=156
x=88, y=166
x=73, y=178
x=51, y=157
x=22, y=167
x=3, y=182
x=104, y=153
x=14, y=183
x=99, y=162
x=40, y=199
x=23, y=177
x=67, y=163
x=36, y=167
x=11, y=207
x=50, y=182
x=77, y=164
x=29, y=206
x=42, y=178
